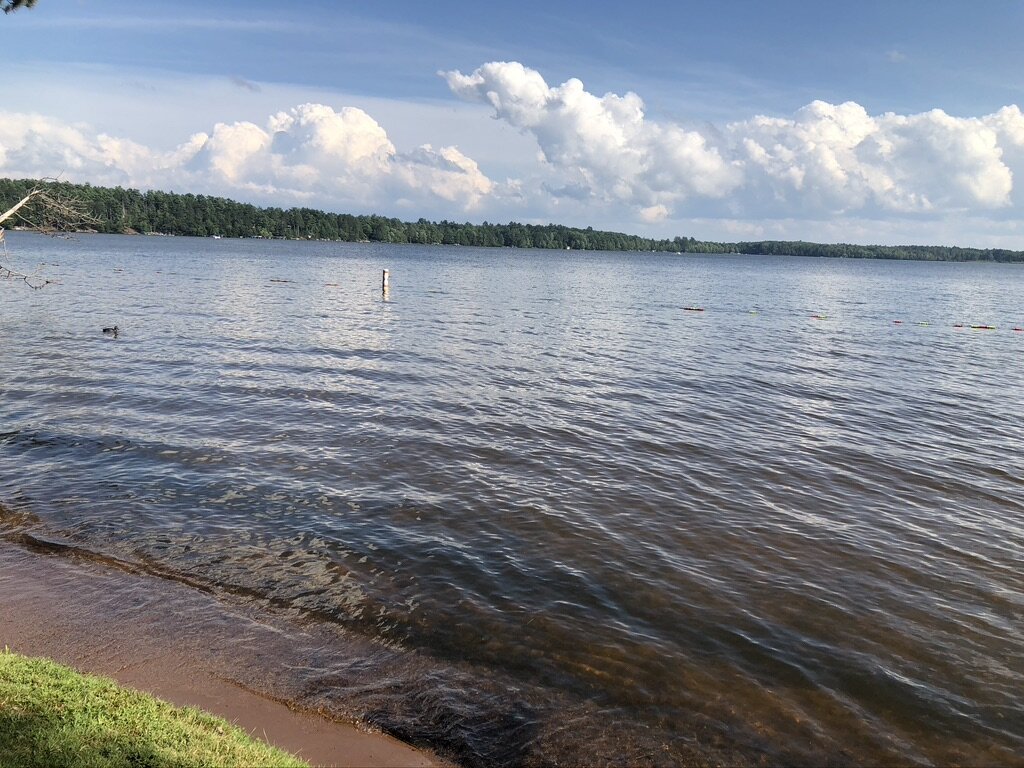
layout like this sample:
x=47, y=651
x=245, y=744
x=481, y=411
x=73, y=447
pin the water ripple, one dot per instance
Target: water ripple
x=724, y=537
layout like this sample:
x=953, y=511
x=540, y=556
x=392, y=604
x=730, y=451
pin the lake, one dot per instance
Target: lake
x=577, y=522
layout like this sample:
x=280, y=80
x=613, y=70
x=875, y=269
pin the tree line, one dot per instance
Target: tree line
x=119, y=210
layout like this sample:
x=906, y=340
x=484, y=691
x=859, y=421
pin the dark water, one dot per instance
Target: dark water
x=575, y=522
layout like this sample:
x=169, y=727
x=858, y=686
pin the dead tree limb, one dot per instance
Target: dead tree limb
x=47, y=208
x=20, y=204
x=51, y=209
x=7, y=272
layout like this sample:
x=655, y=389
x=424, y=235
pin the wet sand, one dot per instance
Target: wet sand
x=71, y=612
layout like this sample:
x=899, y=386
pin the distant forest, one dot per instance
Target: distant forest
x=131, y=211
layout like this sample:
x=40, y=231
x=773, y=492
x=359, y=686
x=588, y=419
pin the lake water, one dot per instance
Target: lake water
x=580, y=523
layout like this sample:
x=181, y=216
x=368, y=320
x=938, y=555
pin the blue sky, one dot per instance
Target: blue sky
x=864, y=122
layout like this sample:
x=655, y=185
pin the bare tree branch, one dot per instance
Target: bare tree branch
x=19, y=205
x=7, y=272
x=50, y=209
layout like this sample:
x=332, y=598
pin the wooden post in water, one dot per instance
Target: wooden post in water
x=384, y=282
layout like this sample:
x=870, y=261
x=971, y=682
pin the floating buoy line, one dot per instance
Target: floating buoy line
x=918, y=323
x=385, y=285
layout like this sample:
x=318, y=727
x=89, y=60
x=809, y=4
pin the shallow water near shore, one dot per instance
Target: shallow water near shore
x=528, y=509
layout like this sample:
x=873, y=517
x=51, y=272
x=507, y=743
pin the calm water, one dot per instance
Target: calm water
x=580, y=523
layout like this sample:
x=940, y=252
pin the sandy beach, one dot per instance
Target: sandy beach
x=62, y=609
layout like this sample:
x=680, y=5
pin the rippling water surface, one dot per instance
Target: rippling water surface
x=575, y=521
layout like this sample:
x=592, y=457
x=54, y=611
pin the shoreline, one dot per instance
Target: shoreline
x=773, y=248
x=57, y=609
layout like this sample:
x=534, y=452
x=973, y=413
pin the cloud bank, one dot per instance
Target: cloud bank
x=825, y=160
x=603, y=147
x=311, y=154
x=600, y=159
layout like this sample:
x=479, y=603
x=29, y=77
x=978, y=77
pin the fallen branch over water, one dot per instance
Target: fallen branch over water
x=50, y=208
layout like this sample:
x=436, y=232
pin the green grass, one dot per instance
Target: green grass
x=51, y=715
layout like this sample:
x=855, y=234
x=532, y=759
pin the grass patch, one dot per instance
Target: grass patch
x=51, y=715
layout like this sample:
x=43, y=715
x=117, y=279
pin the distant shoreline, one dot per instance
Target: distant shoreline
x=779, y=251
x=129, y=211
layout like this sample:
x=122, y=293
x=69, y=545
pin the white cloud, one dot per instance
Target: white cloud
x=311, y=154
x=446, y=173
x=35, y=145
x=838, y=158
x=826, y=160
x=600, y=146
x=654, y=213
x=575, y=157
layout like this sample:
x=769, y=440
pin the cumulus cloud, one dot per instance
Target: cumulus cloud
x=316, y=152
x=35, y=145
x=599, y=159
x=654, y=213
x=840, y=158
x=827, y=159
x=601, y=145
x=309, y=154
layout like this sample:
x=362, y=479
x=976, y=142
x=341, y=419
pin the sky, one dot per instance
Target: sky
x=866, y=122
